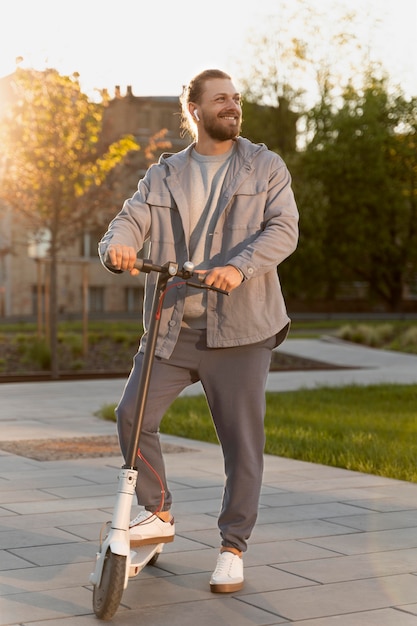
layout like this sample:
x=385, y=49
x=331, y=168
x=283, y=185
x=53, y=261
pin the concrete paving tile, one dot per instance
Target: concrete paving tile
x=44, y=479
x=81, y=620
x=88, y=532
x=270, y=490
x=356, y=567
x=379, y=521
x=10, y=462
x=188, y=562
x=209, y=454
x=43, y=578
x=335, y=486
x=397, y=489
x=186, y=543
x=192, y=587
x=289, y=498
x=352, y=494
x=209, y=537
x=217, y=611
x=112, y=463
x=40, y=537
x=276, y=552
x=198, y=481
x=169, y=590
x=58, y=554
x=297, y=530
x=202, y=558
x=335, y=510
x=337, y=599
x=380, y=617
x=382, y=504
x=10, y=562
x=400, y=494
x=9, y=497
x=411, y=608
x=208, y=468
x=316, y=471
x=91, y=490
x=193, y=494
x=55, y=577
x=200, y=521
x=5, y=513
x=267, y=533
x=362, y=543
x=257, y=578
x=53, y=604
x=263, y=578
x=53, y=506
x=208, y=507
x=283, y=464
x=58, y=519
x=285, y=481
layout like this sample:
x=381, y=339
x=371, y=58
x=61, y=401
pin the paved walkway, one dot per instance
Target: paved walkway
x=331, y=547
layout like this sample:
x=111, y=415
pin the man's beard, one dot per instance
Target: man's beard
x=217, y=131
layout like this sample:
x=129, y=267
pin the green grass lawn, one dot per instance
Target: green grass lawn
x=367, y=429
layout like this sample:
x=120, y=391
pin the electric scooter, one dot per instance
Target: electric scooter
x=115, y=561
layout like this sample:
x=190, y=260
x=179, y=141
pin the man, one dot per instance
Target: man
x=226, y=205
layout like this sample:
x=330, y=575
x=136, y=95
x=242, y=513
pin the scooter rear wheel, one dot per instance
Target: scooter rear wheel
x=108, y=593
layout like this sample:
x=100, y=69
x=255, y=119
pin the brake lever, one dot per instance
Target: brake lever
x=201, y=285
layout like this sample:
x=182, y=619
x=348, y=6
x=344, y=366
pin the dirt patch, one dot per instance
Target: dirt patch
x=74, y=448
x=109, y=359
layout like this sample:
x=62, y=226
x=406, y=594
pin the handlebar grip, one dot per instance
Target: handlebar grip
x=202, y=285
x=146, y=265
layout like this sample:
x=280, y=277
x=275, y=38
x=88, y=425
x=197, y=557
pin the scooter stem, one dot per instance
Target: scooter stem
x=146, y=371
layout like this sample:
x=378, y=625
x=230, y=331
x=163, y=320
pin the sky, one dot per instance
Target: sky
x=157, y=46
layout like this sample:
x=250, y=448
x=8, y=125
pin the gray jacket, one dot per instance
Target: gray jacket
x=257, y=228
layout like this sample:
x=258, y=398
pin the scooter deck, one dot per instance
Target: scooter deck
x=140, y=557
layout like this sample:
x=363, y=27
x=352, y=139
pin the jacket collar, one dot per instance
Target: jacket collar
x=246, y=152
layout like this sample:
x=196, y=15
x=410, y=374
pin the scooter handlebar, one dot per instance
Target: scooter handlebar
x=194, y=279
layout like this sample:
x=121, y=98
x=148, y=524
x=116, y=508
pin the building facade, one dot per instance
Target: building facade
x=83, y=284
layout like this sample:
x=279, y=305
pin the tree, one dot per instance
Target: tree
x=301, y=51
x=363, y=155
x=53, y=170
x=277, y=126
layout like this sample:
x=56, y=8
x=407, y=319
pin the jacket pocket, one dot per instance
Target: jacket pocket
x=252, y=188
x=246, y=211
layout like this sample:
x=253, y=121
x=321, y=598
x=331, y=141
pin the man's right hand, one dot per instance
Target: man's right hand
x=122, y=258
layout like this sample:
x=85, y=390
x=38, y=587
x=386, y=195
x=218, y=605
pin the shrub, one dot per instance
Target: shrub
x=407, y=341
x=385, y=336
x=35, y=351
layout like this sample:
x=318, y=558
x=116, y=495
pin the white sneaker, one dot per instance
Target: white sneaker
x=147, y=529
x=228, y=575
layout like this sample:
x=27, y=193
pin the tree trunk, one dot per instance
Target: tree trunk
x=53, y=310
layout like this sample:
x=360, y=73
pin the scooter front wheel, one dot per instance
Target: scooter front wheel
x=108, y=593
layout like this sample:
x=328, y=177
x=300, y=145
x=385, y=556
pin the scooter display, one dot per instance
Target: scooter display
x=116, y=562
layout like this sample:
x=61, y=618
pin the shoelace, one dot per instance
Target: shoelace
x=224, y=563
x=144, y=517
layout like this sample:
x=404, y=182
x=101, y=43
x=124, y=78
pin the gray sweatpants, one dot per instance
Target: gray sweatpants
x=234, y=382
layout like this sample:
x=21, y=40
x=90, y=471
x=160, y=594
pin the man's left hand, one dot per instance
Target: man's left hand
x=226, y=277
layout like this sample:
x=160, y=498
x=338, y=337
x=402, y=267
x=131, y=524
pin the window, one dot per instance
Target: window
x=89, y=243
x=133, y=299
x=96, y=299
